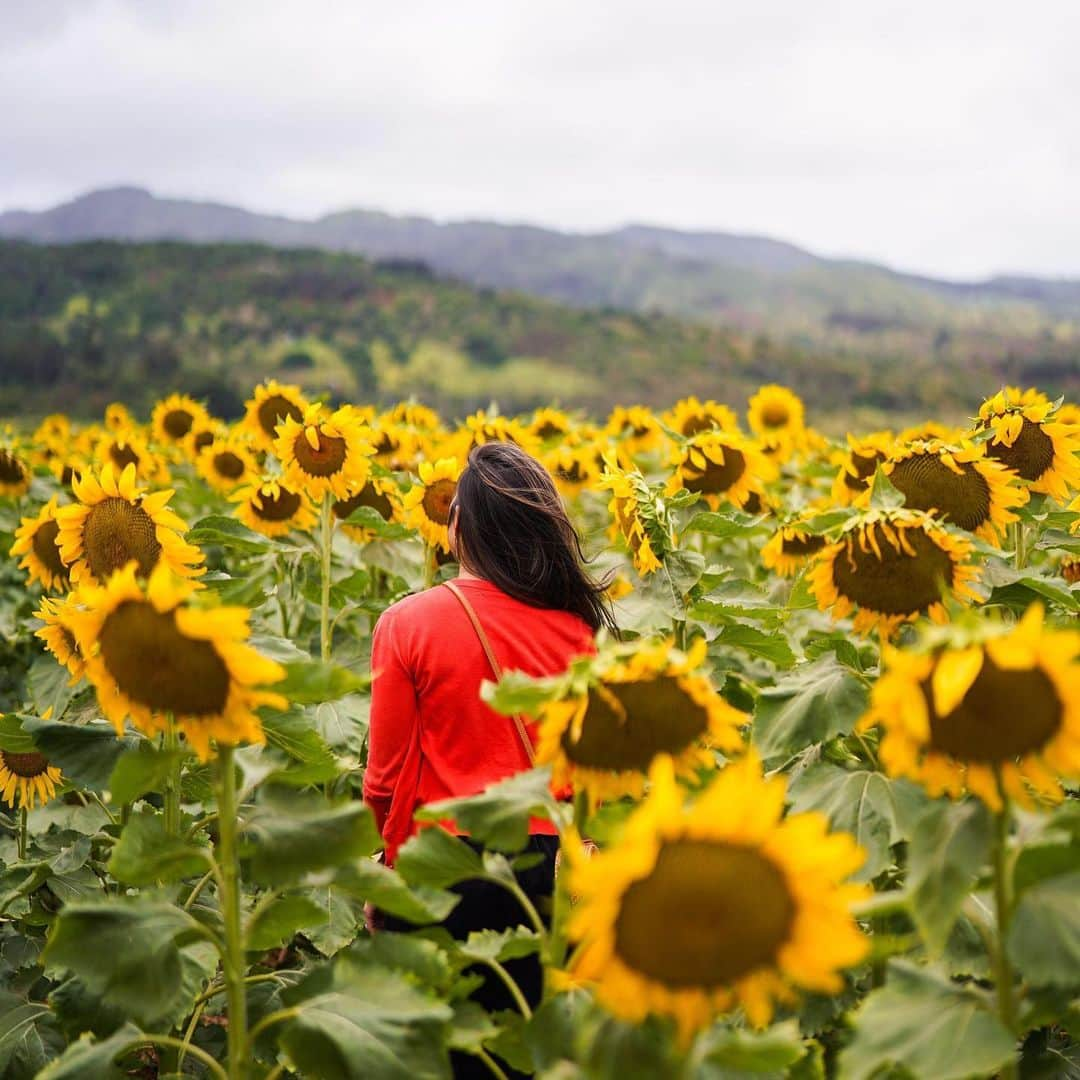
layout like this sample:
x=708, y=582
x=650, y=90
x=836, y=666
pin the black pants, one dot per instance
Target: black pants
x=484, y=906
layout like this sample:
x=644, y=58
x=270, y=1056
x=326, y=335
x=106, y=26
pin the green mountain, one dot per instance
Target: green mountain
x=84, y=324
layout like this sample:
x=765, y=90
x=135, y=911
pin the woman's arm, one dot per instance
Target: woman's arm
x=393, y=720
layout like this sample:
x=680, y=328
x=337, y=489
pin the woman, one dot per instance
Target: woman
x=431, y=736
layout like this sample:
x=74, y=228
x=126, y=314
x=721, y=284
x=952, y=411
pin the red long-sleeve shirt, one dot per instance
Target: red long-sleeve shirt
x=431, y=736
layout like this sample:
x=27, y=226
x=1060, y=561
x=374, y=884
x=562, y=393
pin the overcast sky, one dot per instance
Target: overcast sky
x=934, y=135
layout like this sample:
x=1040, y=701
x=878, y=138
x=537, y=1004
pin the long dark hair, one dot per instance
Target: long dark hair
x=513, y=530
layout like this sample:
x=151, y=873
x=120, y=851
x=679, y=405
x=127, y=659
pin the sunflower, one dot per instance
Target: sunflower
x=858, y=463
x=956, y=718
x=427, y=504
x=382, y=495
x=550, y=425
x=958, y=483
x=174, y=418
x=483, y=427
x=1070, y=569
x=227, y=462
x=641, y=533
x=395, y=445
x=125, y=448
x=57, y=634
x=414, y=415
x=635, y=427
x=654, y=700
x=118, y=418
x=572, y=467
x=36, y=542
x=697, y=910
x=721, y=466
x=114, y=522
x=269, y=405
x=791, y=547
x=891, y=566
x=150, y=653
x=777, y=417
x=14, y=473
x=1029, y=438
x=273, y=508
x=690, y=417
x=929, y=431
x=27, y=777
x=324, y=454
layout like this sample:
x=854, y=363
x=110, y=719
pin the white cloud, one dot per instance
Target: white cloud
x=933, y=136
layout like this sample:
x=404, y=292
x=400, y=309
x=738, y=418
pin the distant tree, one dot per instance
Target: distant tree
x=483, y=349
x=297, y=360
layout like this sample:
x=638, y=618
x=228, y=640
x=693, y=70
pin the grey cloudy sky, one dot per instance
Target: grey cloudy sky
x=939, y=136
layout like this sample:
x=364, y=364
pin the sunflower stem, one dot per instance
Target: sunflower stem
x=1003, y=973
x=172, y=780
x=22, y=833
x=1020, y=544
x=431, y=566
x=233, y=959
x=326, y=544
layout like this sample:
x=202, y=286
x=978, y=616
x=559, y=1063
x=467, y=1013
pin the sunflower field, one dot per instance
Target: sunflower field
x=825, y=820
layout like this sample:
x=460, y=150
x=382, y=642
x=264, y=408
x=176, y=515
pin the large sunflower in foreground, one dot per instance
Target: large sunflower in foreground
x=778, y=418
x=690, y=417
x=226, y=462
x=36, y=541
x=699, y=909
x=14, y=473
x=174, y=417
x=959, y=484
x=1029, y=439
x=115, y=522
x=792, y=546
x=955, y=718
x=27, y=777
x=721, y=466
x=325, y=453
x=890, y=567
x=150, y=654
x=380, y=494
x=858, y=463
x=427, y=504
x=655, y=700
x=269, y=405
x=629, y=508
x=272, y=508
x=57, y=634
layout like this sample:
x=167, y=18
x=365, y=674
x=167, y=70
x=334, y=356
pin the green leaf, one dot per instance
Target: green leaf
x=884, y=494
x=773, y=646
x=384, y=887
x=1044, y=937
x=927, y=1025
x=517, y=693
x=725, y=524
x=859, y=802
x=949, y=846
x=12, y=736
x=500, y=945
x=435, y=858
x=294, y=733
x=816, y=702
x=367, y=517
x=724, y=1054
x=85, y=753
x=499, y=816
x=146, y=853
x=286, y=839
x=380, y=1026
x=141, y=769
x=228, y=533
x=278, y=922
x=471, y=1027
x=29, y=1037
x=126, y=951
x=88, y=1060
x=308, y=682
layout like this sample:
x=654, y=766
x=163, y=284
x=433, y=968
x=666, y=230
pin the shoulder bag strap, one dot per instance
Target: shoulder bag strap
x=526, y=742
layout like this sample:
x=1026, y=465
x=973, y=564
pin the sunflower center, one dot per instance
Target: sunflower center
x=229, y=465
x=202, y=440
x=1030, y=455
x=1004, y=715
x=897, y=583
x=718, y=477
x=12, y=470
x=177, y=423
x=123, y=455
x=324, y=461
x=44, y=545
x=693, y=425
x=25, y=765
x=385, y=444
x=157, y=666
x=70, y=642
x=275, y=409
x=115, y=532
x=707, y=914
x=658, y=717
x=280, y=507
x=437, y=499
x=927, y=483
x=548, y=430
x=368, y=495
x=775, y=416
x=802, y=545
x=570, y=473
x=865, y=465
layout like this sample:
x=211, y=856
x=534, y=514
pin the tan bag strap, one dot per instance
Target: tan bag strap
x=526, y=742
